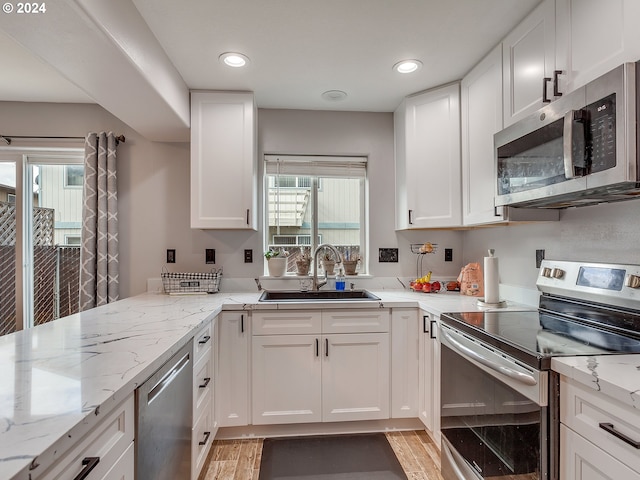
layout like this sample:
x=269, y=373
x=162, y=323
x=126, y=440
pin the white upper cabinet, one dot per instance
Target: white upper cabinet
x=224, y=188
x=481, y=100
x=427, y=129
x=481, y=119
x=594, y=37
x=529, y=53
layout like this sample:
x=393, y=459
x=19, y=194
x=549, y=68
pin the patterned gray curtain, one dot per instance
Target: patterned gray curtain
x=99, y=255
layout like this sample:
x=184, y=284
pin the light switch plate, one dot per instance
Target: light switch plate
x=171, y=255
x=210, y=255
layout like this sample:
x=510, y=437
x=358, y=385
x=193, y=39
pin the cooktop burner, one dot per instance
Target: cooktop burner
x=533, y=337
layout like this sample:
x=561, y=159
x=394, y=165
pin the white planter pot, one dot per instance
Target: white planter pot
x=277, y=266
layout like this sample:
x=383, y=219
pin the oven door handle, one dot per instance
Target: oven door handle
x=521, y=377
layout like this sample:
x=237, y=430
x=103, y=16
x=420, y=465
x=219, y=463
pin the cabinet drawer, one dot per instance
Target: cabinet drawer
x=583, y=410
x=107, y=441
x=202, y=384
x=580, y=459
x=202, y=341
x=355, y=321
x=201, y=440
x=287, y=323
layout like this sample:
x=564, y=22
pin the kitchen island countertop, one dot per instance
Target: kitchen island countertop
x=61, y=378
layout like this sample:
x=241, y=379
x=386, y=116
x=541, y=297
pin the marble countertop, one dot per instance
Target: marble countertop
x=617, y=376
x=61, y=378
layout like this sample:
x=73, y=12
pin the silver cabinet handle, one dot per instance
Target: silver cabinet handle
x=509, y=372
x=608, y=427
x=204, y=340
x=206, y=382
x=88, y=464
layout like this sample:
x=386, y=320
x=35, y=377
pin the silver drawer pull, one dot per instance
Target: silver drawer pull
x=204, y=340
x=608, y=427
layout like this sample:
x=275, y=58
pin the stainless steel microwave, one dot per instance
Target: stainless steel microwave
x=581, y=149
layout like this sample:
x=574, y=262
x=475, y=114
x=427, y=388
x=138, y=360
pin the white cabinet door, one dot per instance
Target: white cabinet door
x=481, y=119
x=286, y=379
x=404, y=363
x=355, y=377
x=428, y=191
x=429, y=374
x=124, y=468
x=583, y=55
x=582, y=460
x=528, y=58
x=232, y=380
x=223, y=160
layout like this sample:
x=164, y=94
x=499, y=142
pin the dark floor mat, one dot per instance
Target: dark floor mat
x=334, y=457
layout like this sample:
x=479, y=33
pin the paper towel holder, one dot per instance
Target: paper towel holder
x=481, y=301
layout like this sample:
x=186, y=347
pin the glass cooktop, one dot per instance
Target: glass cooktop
x=533, y=337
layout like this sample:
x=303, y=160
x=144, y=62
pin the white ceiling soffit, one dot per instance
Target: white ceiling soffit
x=106, y=49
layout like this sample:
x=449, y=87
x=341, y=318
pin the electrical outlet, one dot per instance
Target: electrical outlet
x=171, y=255
x=448, y=254
x=210, y=255
x=248, y=256
x=539, y=257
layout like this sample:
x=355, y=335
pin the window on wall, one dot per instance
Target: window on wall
x=39, y=251
x=312, y=197
x=73, y=175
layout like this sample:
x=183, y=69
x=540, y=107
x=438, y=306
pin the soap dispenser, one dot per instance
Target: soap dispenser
x=340, y=280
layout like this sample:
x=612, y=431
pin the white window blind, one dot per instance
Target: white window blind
x=351, y=167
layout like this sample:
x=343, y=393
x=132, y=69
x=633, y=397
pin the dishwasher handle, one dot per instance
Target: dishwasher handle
x=168, y=377
x=464, y=350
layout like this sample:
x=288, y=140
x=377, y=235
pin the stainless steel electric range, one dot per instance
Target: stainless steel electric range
x=499, y=399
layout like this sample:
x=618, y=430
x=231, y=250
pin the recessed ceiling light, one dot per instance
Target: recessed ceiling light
x=234, y=59
x=407, y=66
x=334, y=95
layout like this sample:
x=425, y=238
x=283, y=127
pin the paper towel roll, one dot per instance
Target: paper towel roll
x=491, y=280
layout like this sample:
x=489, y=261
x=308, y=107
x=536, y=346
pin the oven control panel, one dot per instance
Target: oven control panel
x=608, y=283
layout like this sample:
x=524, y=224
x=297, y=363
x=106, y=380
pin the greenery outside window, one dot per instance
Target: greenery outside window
x=297, y=210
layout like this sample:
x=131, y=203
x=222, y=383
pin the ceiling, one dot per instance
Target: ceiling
x=160, y=49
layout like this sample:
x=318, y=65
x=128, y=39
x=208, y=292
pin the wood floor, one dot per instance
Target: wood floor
x=240, y=459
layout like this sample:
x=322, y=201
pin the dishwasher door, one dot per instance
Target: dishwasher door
x=164, y=419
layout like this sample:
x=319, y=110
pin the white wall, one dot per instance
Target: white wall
x=153, y=182
x=601, y=233
x=370, y=134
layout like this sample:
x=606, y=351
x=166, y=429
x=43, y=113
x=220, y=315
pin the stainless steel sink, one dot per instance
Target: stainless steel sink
x=316, y=296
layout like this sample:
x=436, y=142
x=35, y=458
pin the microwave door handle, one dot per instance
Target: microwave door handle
x=567, y=145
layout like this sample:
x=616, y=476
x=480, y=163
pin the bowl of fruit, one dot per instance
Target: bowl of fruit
x=424, y=284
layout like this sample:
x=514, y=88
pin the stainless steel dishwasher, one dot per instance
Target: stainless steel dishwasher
x=163, y=420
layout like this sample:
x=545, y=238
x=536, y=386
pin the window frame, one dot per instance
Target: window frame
x=24, y=159
x=318, y=168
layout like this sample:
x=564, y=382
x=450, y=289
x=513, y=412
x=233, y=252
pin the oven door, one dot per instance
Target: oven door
x=493, y=412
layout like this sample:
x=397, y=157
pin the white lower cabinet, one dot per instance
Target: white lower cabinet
x=429, y=374
x=232, y=380
x=287, y=375
x=598, y=435
x=405, y=355
x=202, y=428
x=581, y=459
x=105, y=453
x=307, y=373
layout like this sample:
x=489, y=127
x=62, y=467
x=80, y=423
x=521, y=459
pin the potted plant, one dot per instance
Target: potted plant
x=351, y=264
x=303, y=262
x=328, y=263
x=276, y=262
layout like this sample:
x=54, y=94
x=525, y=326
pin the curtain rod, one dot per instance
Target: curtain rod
x=7, y=138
